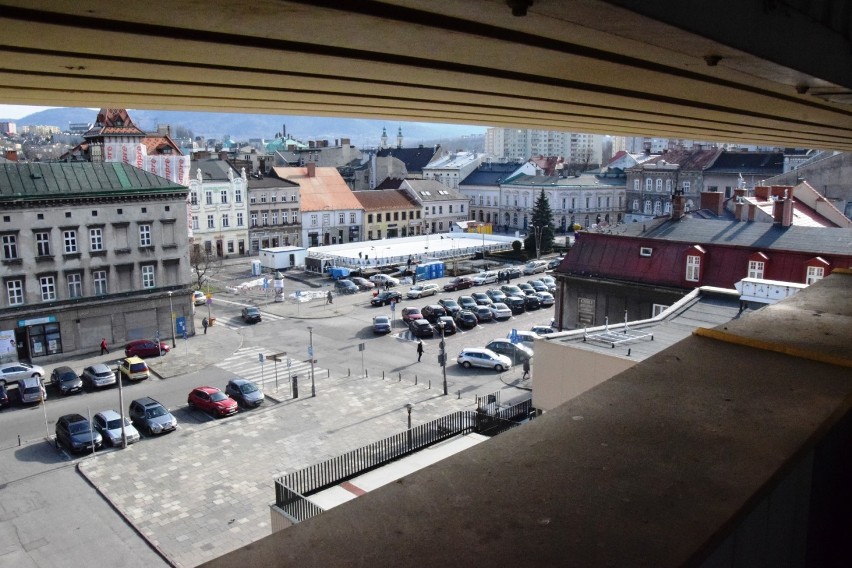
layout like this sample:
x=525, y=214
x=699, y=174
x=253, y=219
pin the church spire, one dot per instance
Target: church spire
x=384, y=137
x=399, y=137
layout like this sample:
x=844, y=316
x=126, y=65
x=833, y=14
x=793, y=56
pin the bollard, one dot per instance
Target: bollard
x=459, y=395
x=430, y=384
x=328, y=374
x=383, y=375
x=19, y=439
x=400, y=376
x=348, y=372
x=366, y=373
x=415, y=379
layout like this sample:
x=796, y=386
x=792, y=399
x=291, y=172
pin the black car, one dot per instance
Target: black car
x=432, y=312
x=448, y=324
x=75, y=433
x=483, y=313
x=421, y=328
x=66, y=380
x=251, y=314
x=466, y=302
x=516, y=304
x=450, y=305
x=466, y=319
x=507, y=274
x=4, y=396
x=385, y=298
x=345, y=287
x=532, y=302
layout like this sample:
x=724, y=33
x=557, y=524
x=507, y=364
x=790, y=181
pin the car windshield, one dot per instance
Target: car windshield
x=218, y=396
x=252, y=311
x=381, y=319
x=247, y=388
x=114, y=424
x=78, y=427
x=65, y=377
x=154, y=411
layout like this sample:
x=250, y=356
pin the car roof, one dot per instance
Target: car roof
x=206, y=389
x=238, y=381
x=134, y=359
x=109, y=414
x=63, y=369
x=145, y=401
x=100, y=367
x=73, y=417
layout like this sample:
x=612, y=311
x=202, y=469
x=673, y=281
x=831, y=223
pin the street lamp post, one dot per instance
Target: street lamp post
x=408, y=407
x=172, y=318
x=443, y=356
x=311, y=356
x=537, y=233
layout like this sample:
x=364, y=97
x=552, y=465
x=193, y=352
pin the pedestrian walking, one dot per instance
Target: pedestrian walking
x=104, y=346
x=204, y=324
x=419, y=350
x=526, y=374
x=328, y=298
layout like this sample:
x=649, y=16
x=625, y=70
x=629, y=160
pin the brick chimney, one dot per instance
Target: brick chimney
x=782, y=211
x=678, y=205
x=738, y=210
x=713, y=201
x=752, y=211
x=312, y=169
x=11, y=155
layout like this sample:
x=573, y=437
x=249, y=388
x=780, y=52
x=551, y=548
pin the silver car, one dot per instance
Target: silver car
x=98, y=375
x=480, y=357
x=244, y=392
x=108, y=423
x=151, y=416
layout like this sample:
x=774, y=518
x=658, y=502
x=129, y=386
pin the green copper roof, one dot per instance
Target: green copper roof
x=79, y=179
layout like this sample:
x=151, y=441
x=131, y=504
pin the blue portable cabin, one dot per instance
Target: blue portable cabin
x=430, y=270
x=338, y=272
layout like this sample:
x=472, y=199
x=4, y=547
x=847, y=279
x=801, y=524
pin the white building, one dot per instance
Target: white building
x=451, y=169
x=219, y=208
x=442, y=205
x=522, y=144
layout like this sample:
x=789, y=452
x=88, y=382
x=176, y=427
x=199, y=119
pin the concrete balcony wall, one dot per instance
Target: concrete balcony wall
x=729, y=448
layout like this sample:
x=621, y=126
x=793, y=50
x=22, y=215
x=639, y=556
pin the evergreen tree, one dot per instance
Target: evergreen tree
x=541, y=226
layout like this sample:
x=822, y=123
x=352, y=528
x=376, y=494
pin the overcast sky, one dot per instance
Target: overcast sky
x=19, y=111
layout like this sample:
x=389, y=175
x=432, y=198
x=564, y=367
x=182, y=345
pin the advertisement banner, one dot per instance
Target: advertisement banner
x=8, y=346
x=140, y=156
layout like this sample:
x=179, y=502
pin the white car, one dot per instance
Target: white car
x=15, y=371
x=499, y=310
x=481, y=357
x=198, y=298
x=108, y=423
x=422, y=290
x=546, y=299
x=487, y=277
x=383, y=279
x=535, y=266
x=98, y=375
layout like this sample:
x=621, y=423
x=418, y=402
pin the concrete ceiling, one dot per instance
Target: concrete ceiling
x=777, y=72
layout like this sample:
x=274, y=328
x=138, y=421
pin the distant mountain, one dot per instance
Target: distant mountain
x=363, y=133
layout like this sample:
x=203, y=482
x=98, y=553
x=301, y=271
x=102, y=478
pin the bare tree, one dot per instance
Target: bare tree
x=205, y=264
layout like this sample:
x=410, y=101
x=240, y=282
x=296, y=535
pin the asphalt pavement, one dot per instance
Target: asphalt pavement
x=205, y=490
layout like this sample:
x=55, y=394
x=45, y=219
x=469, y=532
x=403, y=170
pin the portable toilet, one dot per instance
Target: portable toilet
x=256, y=268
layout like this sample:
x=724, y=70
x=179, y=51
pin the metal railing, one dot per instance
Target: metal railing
x=292, y=490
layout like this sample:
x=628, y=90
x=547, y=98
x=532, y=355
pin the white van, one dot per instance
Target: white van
x=535, y=266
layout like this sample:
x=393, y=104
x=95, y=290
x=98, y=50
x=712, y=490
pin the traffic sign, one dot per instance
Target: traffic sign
x=310, y=352
x=393, y=305
x=289, y=362
x=260, y=357
x=513, y=336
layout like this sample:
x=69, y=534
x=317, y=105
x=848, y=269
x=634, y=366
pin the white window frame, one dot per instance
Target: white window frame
x=195, y=223
x=148, y=276
x=223, y=196
x=657, y=309
x=211, y=222
x=15, y=292
x=69, y=241
x=96, y=239
x=100, y=282
x=645, y=251
x=814, y=274
x=42, y=243
x=47, y=284
x=240, y=219
x=145, y=235
x=225, y=221
x=10, y=247
x=693, y=268
x=756, y=268
x=75, y=285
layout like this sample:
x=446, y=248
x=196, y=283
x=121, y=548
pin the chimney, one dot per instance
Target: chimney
x=11, y=155
x=312, y=169
x=738, y=210
x=782, y=211
x=752, y=211
x=761, y=192
x=713, y=201
x=678, y=205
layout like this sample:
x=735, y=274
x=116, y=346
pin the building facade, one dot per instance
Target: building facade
x=90, y=251
x=451, y=169
x=442, y=205
x=389, y=213
x=520, y=144
x=275, y=217
x=218, y=209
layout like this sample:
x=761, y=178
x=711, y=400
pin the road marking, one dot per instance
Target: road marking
x=244, y=363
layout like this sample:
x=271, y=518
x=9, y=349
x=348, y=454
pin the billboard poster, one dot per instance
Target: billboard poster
x=8, y=346
x=140, y=156
x=125, y=154
x=153, y=166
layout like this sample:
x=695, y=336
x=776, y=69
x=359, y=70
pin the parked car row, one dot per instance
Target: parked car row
x=148, y=415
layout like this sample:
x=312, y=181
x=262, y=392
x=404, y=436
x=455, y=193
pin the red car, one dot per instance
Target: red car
x=411, y=314
x=145, y=348
x=211, y=399
x=459, y=283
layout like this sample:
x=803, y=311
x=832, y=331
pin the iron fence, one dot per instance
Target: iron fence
x=292, y=490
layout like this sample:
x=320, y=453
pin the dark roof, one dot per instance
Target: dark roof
x=415, y=159
x=768, y=163
x=390, y=183
x=41, y=181
x=270, y=181
x=373, y=200
x=212, y=169
x=766, y=236
x=490, y=174
x=687, y=159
